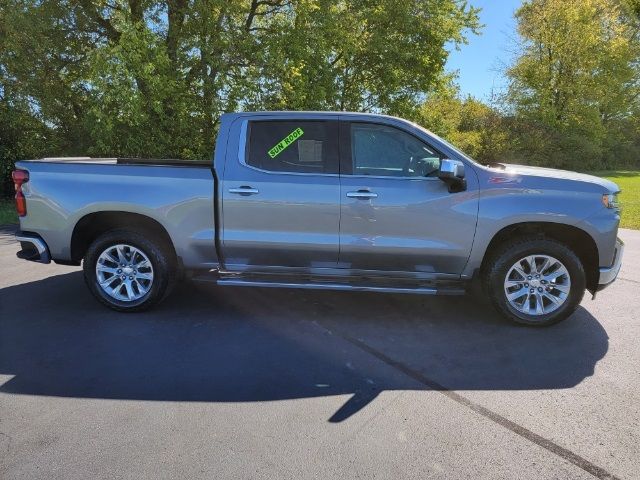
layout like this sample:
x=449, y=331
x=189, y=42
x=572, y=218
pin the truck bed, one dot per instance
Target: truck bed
x=176, y=194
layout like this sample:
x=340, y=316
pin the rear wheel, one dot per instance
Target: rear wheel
x=126, y=271
x=535, y=282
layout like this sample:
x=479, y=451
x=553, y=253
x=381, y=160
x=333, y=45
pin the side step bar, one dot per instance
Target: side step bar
x=419, y=290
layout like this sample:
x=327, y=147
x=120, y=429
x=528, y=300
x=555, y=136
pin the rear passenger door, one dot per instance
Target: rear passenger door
x=281, y=195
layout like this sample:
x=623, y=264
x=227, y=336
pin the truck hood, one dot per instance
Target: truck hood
x=607, y=185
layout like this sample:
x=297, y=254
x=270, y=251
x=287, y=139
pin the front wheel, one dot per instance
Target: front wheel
x=535, y=282
x=127, y=272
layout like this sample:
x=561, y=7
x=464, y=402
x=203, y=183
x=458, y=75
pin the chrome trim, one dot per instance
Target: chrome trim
x=609, y=274
x=340, y=272
x=40, y=246
x=244, y=191
x=325, y=286
x=242, y=149
x=362, y=195
x=452, y=168
x=421, y=179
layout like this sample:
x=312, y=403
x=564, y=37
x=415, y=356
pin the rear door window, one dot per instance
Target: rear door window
x=293, y=146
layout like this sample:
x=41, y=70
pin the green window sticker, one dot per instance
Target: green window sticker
x=285, y=142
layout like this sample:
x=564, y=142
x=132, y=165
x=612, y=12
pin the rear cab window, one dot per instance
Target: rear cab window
x=290, y=146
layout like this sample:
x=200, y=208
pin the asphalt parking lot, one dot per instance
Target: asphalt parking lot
x=222, y=382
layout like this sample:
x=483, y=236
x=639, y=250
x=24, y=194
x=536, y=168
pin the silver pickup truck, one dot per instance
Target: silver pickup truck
x=321, y=200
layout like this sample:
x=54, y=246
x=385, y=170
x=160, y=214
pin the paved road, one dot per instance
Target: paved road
x=261, y=383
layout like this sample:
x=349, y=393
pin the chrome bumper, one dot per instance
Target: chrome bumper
x=33, y=248
x=609, y=274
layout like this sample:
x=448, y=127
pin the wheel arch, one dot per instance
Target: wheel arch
x=92, y=225
x=575, y=238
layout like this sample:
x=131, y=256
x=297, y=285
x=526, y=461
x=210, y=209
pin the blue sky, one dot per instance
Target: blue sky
x=479, y=63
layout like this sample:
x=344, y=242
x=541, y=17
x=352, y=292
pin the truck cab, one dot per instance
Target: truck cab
x=355, y=195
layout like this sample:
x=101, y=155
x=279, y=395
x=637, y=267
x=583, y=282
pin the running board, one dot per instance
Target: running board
x=419, y=290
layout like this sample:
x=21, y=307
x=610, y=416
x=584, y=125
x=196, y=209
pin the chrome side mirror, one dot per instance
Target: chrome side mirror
x=452, y=173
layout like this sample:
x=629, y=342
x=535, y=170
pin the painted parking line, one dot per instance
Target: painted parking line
x=523, y=432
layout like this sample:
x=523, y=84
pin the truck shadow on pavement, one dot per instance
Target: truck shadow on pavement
x=215, y=344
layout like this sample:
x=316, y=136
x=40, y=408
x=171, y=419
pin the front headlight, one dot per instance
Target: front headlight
x=610, y=200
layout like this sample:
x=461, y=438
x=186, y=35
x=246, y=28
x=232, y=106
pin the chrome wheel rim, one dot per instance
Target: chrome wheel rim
x=124, y=272
x=537, y=285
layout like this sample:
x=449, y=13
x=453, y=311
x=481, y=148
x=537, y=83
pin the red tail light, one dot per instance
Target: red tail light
x=19, y=178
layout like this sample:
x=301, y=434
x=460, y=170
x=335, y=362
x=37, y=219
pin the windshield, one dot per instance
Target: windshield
x=447, y=144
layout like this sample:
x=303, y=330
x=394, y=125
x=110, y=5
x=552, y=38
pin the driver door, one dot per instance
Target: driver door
x=396, y=215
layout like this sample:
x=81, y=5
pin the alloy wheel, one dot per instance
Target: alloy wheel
x=537, y=285
x=124, y=272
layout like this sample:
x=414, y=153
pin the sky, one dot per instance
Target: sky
x=479, y=63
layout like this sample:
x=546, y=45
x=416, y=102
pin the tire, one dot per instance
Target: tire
x=142, y=292
x=503, y=275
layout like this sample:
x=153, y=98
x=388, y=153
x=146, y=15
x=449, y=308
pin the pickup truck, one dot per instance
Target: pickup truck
x=325, y=200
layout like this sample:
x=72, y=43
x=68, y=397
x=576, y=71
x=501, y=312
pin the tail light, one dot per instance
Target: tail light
x=20, y=177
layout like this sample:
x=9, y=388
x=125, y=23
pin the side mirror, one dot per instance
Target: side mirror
x=452, y=173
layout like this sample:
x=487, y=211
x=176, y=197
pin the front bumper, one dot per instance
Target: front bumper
x=609, y=274
x=33, y=248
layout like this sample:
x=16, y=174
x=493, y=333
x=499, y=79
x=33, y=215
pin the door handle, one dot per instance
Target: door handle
x=362, y=194
x=244, y=190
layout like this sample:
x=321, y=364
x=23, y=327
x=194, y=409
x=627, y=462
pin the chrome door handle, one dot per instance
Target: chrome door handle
x=244, y=190
x=362, y=194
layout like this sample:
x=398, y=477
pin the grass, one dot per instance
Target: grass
x=7, y=211
x=629, y=183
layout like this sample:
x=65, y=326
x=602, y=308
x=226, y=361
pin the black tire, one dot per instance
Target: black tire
x=161, y=261
x=511, y=252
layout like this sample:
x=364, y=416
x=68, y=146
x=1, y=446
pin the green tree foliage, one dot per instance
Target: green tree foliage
x=575, y=85
x=22, y=136
x=476, y=128
x=152, y=78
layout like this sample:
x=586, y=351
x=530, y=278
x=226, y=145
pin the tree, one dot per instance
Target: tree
x=21, y=136
x=151, y=78
x=476, y=128
x=574, y=86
